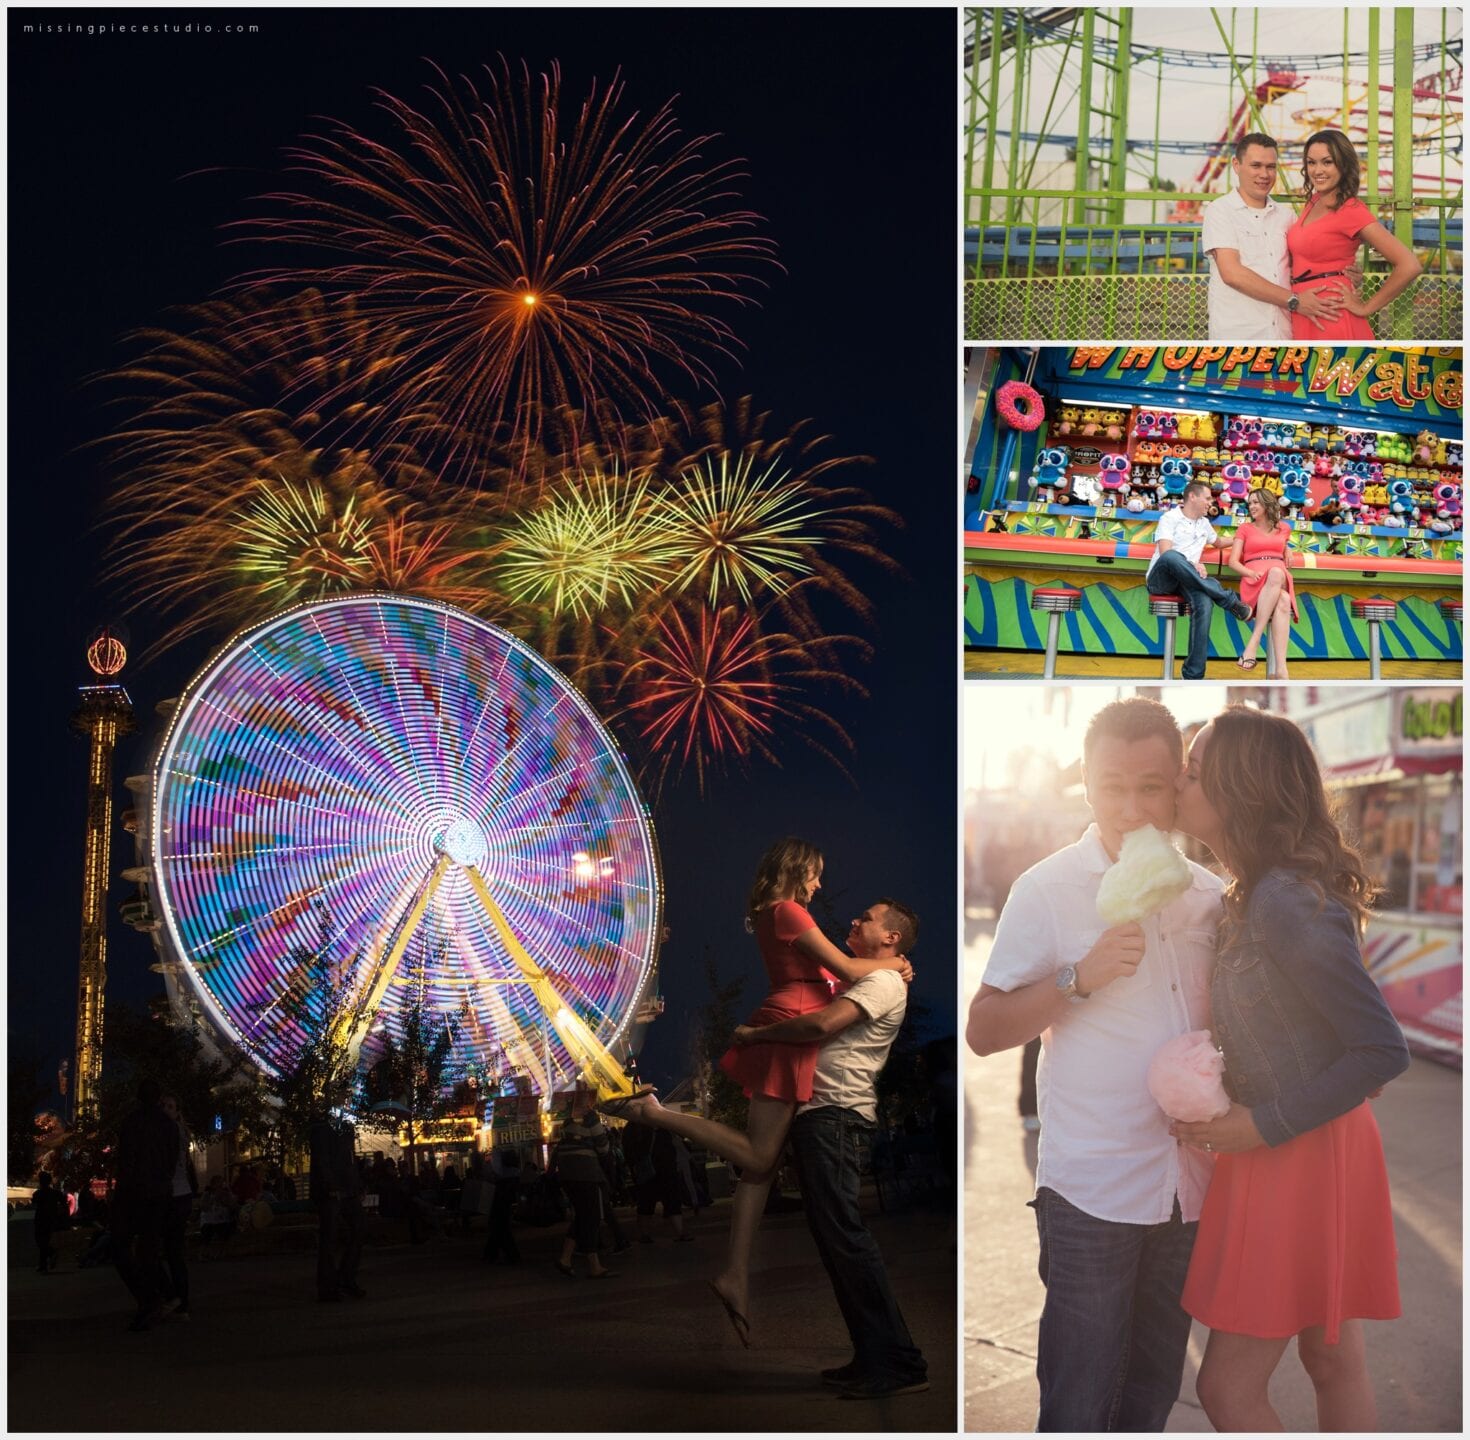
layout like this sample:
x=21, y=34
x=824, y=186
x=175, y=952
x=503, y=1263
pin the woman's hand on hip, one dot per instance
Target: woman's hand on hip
x=1231, y=1133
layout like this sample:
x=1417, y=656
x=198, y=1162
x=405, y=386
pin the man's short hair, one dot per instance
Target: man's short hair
x=1198, y=485
x=902, y=919
x=1254, y=138
x=1131, y=721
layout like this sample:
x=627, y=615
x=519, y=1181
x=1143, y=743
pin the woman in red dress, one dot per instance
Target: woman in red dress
x=1259, y=556
x=1323, y=243
x=1296, y=1236
x=801, y=966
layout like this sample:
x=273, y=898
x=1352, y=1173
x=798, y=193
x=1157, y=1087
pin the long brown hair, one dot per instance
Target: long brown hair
x=1262, y=778
x=1343, y=156
x=1271, y=505
x=781, y=874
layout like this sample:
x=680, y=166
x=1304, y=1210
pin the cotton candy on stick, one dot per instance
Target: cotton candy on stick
x=1184, y=1078
x=1149, y=874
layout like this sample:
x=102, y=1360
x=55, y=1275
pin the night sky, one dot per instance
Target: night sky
x=128, y=152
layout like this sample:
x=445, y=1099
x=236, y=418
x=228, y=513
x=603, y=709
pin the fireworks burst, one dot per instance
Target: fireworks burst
x=246, y=487
x=713, y=690
x=594, y=538
x=526, y=265
x=739, y=525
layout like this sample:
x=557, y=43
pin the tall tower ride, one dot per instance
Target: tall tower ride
x=104, y=715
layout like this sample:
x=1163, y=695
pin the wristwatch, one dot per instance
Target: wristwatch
x=1067, y=983
x=1294, y=304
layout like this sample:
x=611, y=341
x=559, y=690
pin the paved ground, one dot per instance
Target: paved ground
x=447, y=1344
x=1415, y=1361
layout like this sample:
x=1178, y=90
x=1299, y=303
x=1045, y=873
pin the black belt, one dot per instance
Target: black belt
x=1307, y=275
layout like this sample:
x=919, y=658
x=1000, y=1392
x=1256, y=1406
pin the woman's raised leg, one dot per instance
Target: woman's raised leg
x=757, y=1148
x=1339, y=1374
x=1265, y=608
x=1281, y=633
x=1233, y=1380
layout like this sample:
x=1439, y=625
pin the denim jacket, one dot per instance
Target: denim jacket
x=1305, y=1031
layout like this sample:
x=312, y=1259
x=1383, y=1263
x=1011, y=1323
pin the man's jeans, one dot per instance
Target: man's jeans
x=829, y=1145
x=1174, y=575
x=1113, y=1336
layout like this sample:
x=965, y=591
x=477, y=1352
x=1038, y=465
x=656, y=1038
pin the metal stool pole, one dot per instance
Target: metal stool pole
x=1055, y=601
x=1168, y=608
x=1375, y=611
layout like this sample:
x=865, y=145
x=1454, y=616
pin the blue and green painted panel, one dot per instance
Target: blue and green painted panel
x=1114, y=619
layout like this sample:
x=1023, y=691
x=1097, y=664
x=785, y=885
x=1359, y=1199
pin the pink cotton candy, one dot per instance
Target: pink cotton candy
x=1185, y=1078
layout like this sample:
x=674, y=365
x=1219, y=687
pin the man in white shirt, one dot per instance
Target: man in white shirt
x=1244, y=235
x=1176, y=568
x=828, y=1137
x=1117, y=1199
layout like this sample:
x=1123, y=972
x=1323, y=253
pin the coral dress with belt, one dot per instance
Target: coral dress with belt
x=1297, y=1235
x=1320, y=246
x=1267, y=552
x=798, y=986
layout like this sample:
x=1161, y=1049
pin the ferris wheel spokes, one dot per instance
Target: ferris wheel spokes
x=359, y=1017
x=582, y=1045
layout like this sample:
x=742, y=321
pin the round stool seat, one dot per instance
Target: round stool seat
x=1057, y=599
x=1375, y=608
x=1453, y=610
x=1168, y=607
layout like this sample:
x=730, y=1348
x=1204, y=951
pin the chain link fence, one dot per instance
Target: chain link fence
x=1169, y=309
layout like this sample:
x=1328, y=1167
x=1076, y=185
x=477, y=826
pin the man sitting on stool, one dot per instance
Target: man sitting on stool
x=1176, y=569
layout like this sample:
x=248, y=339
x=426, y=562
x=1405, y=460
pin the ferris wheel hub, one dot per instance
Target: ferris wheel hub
x=463, y=841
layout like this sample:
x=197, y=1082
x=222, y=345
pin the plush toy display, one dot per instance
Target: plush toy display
x=1401, y=501
x=1113, y=424
x=1049, y=478
x=1424, y=447
x=1067, y=425
x=1350, y=494
x=1294, y=491
x=1150, y=873
x=1113, y=477
x=1237, y=486
x=1174, y=475
x=1091, y=422
x=1186, y=1078
x=1145, y=422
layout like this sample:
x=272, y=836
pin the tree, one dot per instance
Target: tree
x=324, y=1002
x=26, y=1093
x=414, y=1074
x=714, y=1023
x=152, y=1044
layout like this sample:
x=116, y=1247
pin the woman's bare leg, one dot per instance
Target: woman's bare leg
x=1281, y=633
x=757, y=1148
x=1265, y=607
x=1233, y=1378
x=746, y=1210
x=1339, y=1374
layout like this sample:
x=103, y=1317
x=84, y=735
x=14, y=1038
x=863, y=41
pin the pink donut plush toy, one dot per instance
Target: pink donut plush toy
x=1019, y=406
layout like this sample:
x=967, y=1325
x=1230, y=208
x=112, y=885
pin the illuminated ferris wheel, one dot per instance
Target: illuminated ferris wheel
x=422, y=793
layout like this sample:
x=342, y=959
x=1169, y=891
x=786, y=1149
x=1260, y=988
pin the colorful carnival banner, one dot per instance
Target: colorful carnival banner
x=1392, y=386
x=1428, y=725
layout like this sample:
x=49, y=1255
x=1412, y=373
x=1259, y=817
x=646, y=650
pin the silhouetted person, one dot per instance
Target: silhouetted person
x=147, y=1154
x=505, y=1171
x=48, y=1205
x=184, y=1191
x=336, y=1192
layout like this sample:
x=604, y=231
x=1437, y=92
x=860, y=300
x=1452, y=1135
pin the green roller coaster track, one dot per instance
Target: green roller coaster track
x=1051, y=263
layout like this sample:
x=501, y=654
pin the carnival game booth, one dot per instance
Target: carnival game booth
x=1078, y=451
x=1394, y=760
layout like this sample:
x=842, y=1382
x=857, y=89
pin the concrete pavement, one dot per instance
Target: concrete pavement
x=447, y=1344
x=1415, y=1361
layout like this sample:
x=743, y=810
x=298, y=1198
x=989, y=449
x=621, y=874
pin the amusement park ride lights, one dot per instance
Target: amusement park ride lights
x=424, y=780
x=104, y=715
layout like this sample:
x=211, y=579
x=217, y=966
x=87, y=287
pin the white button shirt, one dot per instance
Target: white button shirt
x=1188, y=537
x=1260, y=238
x=1105, y=1144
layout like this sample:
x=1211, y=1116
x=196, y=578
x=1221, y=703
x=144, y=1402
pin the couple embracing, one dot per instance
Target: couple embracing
x=1271, y=1223
x=809, y=1060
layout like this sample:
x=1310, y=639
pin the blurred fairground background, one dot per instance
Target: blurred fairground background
x=1094, y=137
x=1392, y=758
